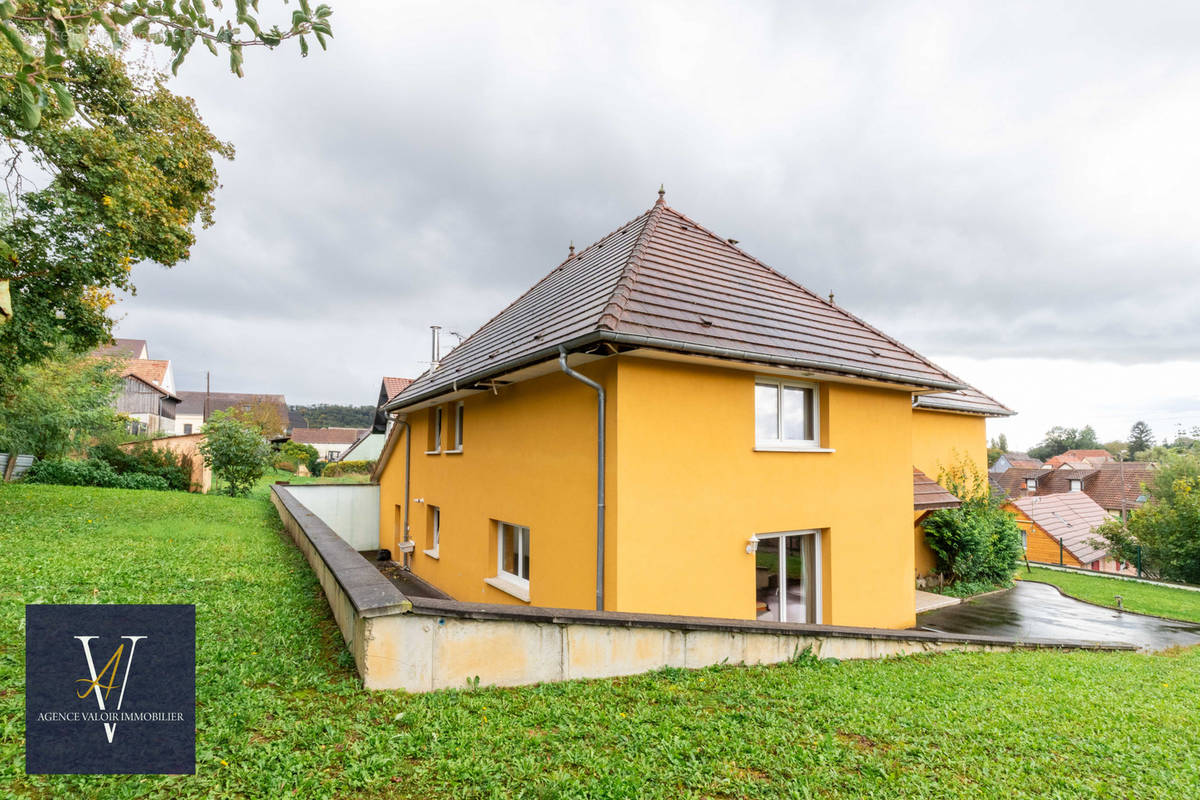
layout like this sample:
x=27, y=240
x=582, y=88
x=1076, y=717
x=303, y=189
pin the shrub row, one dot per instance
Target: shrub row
x=93, y=472
x=348, y=468
x=175, y=469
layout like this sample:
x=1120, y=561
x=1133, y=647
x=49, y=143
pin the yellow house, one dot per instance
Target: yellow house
x=664, y=424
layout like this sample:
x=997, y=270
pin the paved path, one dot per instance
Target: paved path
x=1039, y=611
x=931, y=601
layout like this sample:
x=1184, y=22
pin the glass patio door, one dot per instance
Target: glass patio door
x=787, y=577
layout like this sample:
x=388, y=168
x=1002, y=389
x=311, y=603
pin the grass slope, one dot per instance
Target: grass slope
x=1144, y=598
x=280, y=711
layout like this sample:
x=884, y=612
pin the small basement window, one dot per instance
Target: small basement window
x=512, y=560
x=785, y=415
x=433, y=532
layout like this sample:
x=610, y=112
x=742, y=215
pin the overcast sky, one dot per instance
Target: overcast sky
x=1008, y=188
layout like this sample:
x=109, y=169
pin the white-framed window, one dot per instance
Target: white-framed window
x=1076, y=485
x=458, y=428
x=187, y=428
x=786, y=415
x=1031, y=484
x=512, y=560
x=787, y=576
x=433, y=535
x=435, y=431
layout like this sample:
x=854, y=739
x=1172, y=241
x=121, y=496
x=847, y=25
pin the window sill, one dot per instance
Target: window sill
x=791, y=448
x=433, y=452
x=431, y=553
x=454, y=452
x=509, y=586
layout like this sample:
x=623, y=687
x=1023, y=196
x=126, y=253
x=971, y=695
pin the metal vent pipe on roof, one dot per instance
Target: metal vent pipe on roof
x=562, y=363
x=435, y=354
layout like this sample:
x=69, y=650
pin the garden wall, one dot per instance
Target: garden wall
x=351, y=510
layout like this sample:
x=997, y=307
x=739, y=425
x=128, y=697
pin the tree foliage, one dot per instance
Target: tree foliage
x=980, y=540
x=326, y=415
x=235, y=450
x=1141, y=438
x=44, y=39
x=1166, y=529
x=263, y=415
x=54, y=408
x=1059, y=440
x=125, y=187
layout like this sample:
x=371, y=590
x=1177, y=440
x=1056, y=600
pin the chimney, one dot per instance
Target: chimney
x=436, y=347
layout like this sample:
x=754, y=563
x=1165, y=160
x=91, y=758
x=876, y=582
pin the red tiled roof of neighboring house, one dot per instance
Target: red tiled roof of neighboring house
x=327, y=435
x=1071, y=518
x=1102, y=483
x=663, y=282
x=1025, y=463
x=121, y=347
x=1076, y=456
x=394, y=386
x=928, y=494
x=148, y=369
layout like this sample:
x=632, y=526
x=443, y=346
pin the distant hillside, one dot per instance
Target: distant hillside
x=325, y=415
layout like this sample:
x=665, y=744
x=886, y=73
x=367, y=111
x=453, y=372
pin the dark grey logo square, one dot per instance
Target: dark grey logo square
x=110, y=689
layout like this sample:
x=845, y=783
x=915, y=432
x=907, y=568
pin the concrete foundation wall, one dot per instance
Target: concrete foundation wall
x=351, y=510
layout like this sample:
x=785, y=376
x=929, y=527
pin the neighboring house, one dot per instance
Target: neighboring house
x=1008, y=461
x=370, y=445
x=1061, y=529
x=196, y=407
x=187, y=446
x=151, y=408
x=1118, y=487
x=1080, y=459
x=759, y=443
x=928, y=496
x=147, y=394
x=330, y=443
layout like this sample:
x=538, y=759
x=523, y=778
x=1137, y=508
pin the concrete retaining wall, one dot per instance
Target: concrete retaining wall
x=422, y=644
x=351, y=510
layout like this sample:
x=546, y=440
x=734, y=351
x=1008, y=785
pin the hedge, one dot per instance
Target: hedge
x=348, y=468
x=92, y=472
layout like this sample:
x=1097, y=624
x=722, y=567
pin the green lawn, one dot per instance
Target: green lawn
x=1144, y=598
x=280, y=711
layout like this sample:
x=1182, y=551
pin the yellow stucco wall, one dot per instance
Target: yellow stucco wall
x=939, y=439
x=686, y=491
x=529, y=458
x=693, y=491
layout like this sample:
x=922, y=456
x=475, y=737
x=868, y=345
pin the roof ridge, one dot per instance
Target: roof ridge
x=611, y=315
x=905, y=348
x=575, y=257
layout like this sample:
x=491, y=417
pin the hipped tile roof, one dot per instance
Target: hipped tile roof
x=928, y=494
x=193, y=402
x=1071, y=518
x=1105, y=483
x=662, y=281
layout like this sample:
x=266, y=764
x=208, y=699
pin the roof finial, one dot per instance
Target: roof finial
x=662, y=193
x=831, y=298
x=571, y=249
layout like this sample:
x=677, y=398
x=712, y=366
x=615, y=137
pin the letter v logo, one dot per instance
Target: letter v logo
x=94, y=684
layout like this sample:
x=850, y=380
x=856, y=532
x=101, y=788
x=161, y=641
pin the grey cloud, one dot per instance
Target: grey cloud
x=976, y=180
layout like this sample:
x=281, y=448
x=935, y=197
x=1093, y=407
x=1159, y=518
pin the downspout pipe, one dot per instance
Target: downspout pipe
x=407, y=475
x=600, y=441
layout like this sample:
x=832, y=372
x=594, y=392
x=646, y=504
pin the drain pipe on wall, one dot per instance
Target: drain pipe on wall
x=407, y=471
x=562, y=363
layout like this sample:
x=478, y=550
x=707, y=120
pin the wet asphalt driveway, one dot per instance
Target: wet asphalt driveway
x=1038, y=611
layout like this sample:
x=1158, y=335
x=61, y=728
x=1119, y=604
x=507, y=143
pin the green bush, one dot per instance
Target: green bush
x=301, y=454
x=175, y=470
x=92, y=472
x=235, y=450
x=348, y=468
x=979, y=542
